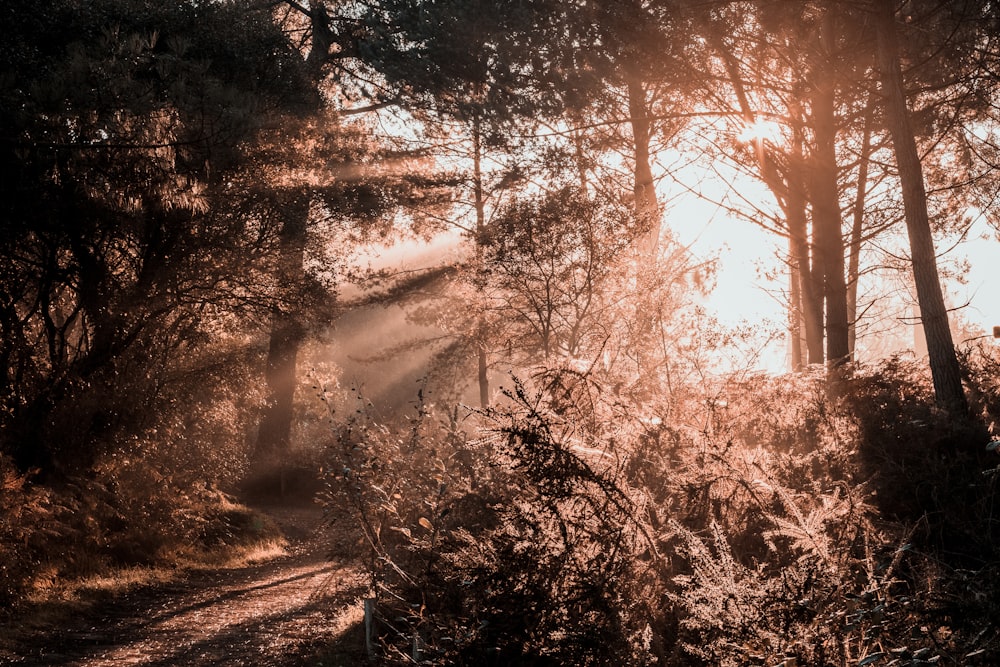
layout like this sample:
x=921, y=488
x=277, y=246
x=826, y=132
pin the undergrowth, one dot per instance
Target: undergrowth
x=778, y=523
x=141, y=492
x=114, y=528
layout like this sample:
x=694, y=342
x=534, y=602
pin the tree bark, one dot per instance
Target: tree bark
x=827, y=220
x=854, y=246
x=945, y=370
x=480, y=202
x=647, y=206
x=810, y=289
x=795, y=333
x=287, y=330
x=287, y=333
x=275, y=430
x=579, y=154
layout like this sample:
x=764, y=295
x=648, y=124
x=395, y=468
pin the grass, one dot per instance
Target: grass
x=125, y=579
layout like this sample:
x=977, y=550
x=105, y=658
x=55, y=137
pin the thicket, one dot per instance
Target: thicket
x=764, y=520
x=152, y=496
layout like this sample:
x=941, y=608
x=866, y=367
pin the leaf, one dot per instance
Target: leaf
x=871, y=658
x=425, y=522
x=993, y=445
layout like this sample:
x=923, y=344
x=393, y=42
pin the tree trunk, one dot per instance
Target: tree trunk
x=647, y=207
x=274, y=432
x=944, y=365
x=827, y=221
x=647, y=217
x=287, y=330
x=480, y=202
x=809, y=287
x=579, y=155
x=854, y=247
x=795, y=334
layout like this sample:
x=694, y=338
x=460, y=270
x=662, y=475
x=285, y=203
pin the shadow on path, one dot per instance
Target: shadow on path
x=289, y=612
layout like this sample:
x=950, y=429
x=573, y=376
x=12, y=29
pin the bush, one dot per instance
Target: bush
x=928, y=467
x=507, y=549
x=149, y=493
x=791, y=527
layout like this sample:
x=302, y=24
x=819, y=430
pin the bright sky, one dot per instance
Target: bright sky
x=743, y=250
x=982, y=288
x=744, y=293
x=747, y=254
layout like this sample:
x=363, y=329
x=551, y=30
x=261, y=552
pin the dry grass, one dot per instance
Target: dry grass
x=239, y=556
x=47, y=589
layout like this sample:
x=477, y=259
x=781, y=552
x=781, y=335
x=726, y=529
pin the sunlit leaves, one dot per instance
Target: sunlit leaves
x=554, y=262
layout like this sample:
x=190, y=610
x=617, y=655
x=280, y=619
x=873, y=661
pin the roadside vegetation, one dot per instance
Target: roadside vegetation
x=116, y=528
x=759, y=521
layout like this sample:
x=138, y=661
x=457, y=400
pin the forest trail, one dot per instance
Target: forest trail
x=299, y=609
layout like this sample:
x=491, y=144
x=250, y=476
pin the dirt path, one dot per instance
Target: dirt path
x=300, y=609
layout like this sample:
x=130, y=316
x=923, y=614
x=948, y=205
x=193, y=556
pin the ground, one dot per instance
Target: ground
x=301, y=608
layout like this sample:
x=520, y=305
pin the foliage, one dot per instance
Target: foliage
x=149, y=498
x=164, y=165
x=119, y=252
x=555, y=268
x=928, y=467
x=503, y=549
x=478, y=58
x=574, y=531
x=124, y=514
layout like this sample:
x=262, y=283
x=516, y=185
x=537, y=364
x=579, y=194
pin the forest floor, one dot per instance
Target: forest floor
x=300, y=608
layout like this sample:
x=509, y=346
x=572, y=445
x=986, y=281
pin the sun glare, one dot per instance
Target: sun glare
x=760, y=130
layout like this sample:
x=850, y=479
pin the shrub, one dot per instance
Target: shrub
x=928, y=467
x=150, y=491
x=565, y=526
x=513, y=548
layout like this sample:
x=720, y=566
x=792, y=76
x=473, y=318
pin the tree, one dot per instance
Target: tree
x=633, y=81
x=796, y=74
x=287, y=328
x=551, y=264
x=824, y=190
x=323, y=168
x=124, y=123
x=945, y=370
x=766, y=79
x=476, y=67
